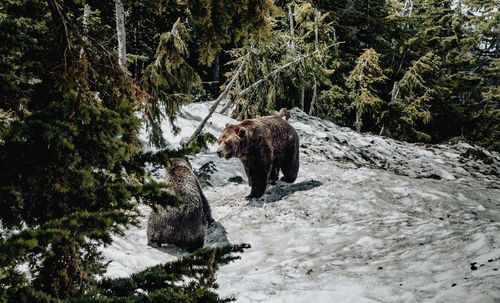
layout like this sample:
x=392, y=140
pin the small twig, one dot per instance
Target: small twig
x=56, y=8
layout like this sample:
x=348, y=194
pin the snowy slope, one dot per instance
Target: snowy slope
x=368, y=220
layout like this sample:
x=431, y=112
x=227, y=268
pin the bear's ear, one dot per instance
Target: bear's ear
x=241, y=132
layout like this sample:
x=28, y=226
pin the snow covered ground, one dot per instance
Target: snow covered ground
x=369, y=219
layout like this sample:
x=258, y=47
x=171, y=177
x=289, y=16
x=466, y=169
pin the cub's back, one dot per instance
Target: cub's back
x=183, y=182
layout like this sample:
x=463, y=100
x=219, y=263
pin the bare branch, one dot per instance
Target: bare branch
x=216, y=103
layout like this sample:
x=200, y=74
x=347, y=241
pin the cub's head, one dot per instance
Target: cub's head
x=175, y=163
x=231, y=141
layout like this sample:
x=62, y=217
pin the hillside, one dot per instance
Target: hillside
x=369, y=219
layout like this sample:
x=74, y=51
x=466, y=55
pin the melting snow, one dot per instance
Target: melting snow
x=369, y=219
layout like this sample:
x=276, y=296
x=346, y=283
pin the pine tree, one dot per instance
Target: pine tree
x=285, y=64
x=362, y=83
x=486, y=114
x=169, y=79
x=73, y=170
x=410, y=99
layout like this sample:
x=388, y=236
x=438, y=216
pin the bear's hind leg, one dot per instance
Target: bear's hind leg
x=290, y=167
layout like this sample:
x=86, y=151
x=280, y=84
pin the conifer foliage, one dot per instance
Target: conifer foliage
x=432, y=76
x=361, y=84
x=72, y=167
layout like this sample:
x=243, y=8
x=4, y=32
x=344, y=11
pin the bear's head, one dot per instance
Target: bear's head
x=231, y=141
x=175, y=163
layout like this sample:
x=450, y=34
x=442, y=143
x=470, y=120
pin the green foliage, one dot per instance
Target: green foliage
x=72, y=170
x=169, y=79
x=436, y=56
x=217, y=23
x=410, y=99
x=362, y=83
x=204, y=173
x=22, y=32
x=487, y=112
x=5, y=121
x=200, y=143
x=283, y=65
x=190, y=279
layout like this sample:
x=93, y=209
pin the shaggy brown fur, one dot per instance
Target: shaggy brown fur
x=184, y=226
x=264, y=146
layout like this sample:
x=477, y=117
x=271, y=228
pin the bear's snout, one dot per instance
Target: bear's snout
x=219, y=153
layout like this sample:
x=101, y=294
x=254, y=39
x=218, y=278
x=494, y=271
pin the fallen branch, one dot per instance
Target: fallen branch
x=216, y=103
x=276, y=71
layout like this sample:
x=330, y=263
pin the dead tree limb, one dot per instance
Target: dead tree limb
x=216, y=103
x=276, y=71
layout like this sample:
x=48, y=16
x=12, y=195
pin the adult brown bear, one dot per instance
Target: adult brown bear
x=184, y=226
x=265, y=146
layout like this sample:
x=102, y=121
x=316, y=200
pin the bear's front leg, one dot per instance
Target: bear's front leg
x=258, y=175
x=258, y=189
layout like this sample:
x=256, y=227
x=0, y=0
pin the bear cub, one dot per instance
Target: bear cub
x=184, y=226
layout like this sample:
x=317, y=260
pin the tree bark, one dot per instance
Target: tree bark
x=302, y=97
x=394, y=92
x=121, y=34
x=85, y=25
x=359, y=122
x=316, y=48
x=215, y=75
x=314, y=97
x=292, y=27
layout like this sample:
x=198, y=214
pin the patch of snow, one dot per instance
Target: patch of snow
x=369, y=219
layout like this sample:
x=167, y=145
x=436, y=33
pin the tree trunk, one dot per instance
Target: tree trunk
x=359, y=107
x=292, y=46
x=314, y=97
x=85, y=23
x=382, y=130
x=121, y=34
x=215, y=75
x=292, y=27
x=335, y=41
x=316, y=48
x=358, y=120
x=302, y=97
x=394, y=92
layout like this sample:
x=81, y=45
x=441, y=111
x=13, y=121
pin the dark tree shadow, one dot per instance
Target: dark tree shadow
x=172, y=250
x=216, y=235
x=278, y=192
